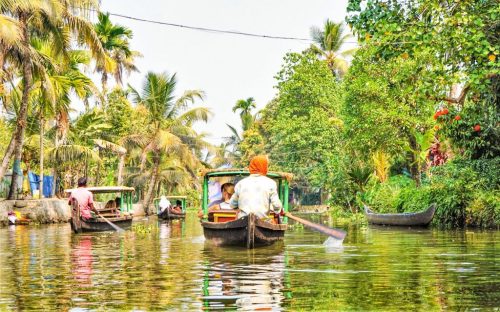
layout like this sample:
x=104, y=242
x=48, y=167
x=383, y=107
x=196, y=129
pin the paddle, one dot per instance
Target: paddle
x=116, y=227
x=337, y=234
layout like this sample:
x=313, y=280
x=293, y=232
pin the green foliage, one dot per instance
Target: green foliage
x=384, y=197
x=473, y=130
x=466, y=193
x=5, y=133
x=300, y=125
x=461, y=35
x=382, y=108
x=119, y=113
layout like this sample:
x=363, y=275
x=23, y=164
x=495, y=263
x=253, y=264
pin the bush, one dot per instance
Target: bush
x=384, y=197
x=484, y=209
x=466, y=193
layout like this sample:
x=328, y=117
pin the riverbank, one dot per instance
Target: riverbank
x=41, y=211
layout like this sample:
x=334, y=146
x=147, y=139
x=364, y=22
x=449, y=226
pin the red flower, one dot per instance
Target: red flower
x=436, y=115
x=445, y=111
x=477, y=128
x=457, y=117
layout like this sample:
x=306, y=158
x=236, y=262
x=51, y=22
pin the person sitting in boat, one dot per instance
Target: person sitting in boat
x=256, y=193
x=227, y=190
x=84, y=198
x=164, y=204
x=177, y=208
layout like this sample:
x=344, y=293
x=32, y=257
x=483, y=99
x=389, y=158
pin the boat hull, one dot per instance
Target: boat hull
x=401, y=219
x=249, y=232
x=166, y=215
x=78, y=225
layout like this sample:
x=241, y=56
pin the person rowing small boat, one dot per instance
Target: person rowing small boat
x=85, y=200
x=256, y=193
x=253, y=218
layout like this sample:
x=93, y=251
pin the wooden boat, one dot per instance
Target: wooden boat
x=121, y=218
x=402, y=219
x=248, y=231
x=78, y=225
x=169, y=215
x=222, y=228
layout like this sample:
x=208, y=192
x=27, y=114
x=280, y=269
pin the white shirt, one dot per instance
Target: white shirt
x=256, y=194
x=164, y=203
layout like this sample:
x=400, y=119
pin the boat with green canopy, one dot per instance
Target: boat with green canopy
x=167, y=214
x=223, y=227
x=112, y=202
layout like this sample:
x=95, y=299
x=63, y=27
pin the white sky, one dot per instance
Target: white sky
x=227, y=67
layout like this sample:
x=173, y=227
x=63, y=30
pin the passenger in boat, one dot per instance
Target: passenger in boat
x=227, y=190
x=177, y=208
x=85, y=200
x=164, y=204
x=256, y=193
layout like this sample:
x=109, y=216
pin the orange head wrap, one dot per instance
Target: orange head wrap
x=258, y=164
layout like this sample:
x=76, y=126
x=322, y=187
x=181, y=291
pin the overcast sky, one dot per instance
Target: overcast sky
x=227, y=67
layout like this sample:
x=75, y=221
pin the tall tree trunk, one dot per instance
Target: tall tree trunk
x=23, y=109
x=121, y=165
x=42, y=125
x=104, y=81
x=414, y=161
x=152, y=183
x=7, y=156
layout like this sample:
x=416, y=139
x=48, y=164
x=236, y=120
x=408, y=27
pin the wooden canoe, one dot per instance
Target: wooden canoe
x=167, y=215
x=78, y=225
x=249, y=232
x=422, y=218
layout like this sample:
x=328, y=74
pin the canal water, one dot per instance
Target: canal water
x=161, y=266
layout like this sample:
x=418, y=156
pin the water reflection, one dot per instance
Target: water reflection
x=168, y=266
x=82, y=260
x=245, y=279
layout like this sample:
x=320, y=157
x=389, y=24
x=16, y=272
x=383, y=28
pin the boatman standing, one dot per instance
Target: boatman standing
x=256, y=193
x=84, y=199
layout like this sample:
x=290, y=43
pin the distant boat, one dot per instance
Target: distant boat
x=169, y=215
x=119, y=214
x=402, y=219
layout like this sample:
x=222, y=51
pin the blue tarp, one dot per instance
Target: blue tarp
x=48, y=183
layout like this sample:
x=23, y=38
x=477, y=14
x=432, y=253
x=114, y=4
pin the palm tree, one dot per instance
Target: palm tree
x=245, y=107
x=51, y=93
x=329, y=42
x=59, y=20
x=169, y=132
x=115, y=41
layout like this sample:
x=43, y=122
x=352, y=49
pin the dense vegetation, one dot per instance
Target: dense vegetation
x=413, y=120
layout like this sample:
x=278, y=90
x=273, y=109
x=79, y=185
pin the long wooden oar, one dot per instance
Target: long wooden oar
x=338, y=234
x=116, y=227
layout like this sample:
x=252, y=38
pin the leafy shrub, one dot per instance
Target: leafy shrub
x=484, y=209
x=384, y=197
x=466, y=193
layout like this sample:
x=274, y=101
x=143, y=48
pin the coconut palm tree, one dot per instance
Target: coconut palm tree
x=115, y=41
x=329, y=42
x=245, y=107
x=51, y=93
x=62, y=20
x=169, y=133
